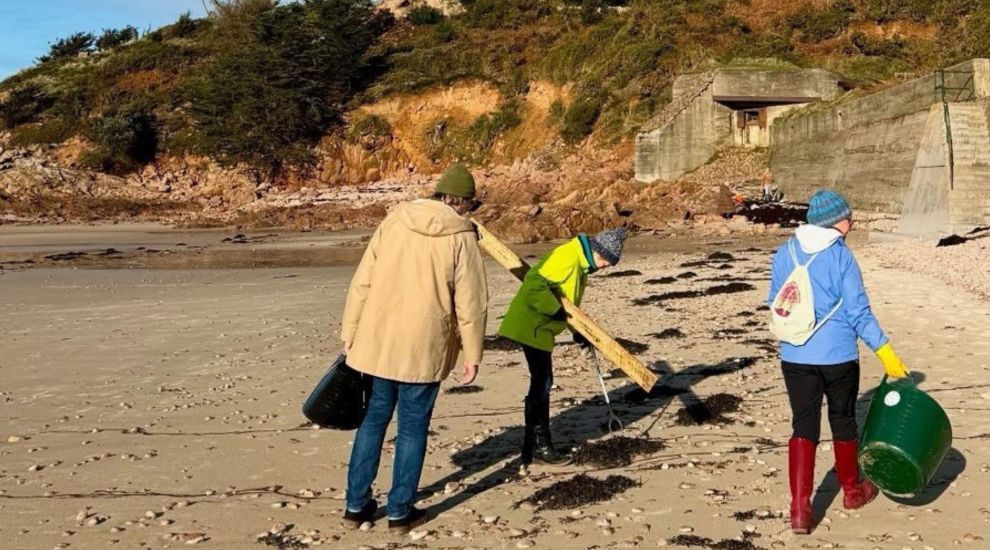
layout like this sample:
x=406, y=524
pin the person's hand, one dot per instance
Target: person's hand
x=346, y=348
x=891, y=362
x=468, y=374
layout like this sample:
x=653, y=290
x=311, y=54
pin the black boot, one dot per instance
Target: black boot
x=529, y=435
x=545, y=451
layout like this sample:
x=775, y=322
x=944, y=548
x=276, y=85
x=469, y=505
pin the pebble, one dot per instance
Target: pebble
x=82, y=515
x=150, y=514
x=13, y=439
x=524, y=544
x=686, y=529
x=491, y=520
x=418, y=535
x=36, y=468
x=608, y=531
x=366, y=526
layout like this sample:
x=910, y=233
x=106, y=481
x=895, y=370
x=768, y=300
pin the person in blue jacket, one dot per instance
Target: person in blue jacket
x=827, y=365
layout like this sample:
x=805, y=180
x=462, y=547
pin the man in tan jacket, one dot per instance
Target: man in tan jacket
x=418, y=298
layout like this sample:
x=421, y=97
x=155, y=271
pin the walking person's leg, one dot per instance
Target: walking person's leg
x=367, y=451
x=805, y=388
x=537, y=441
x=841, y=391
x=415, y=406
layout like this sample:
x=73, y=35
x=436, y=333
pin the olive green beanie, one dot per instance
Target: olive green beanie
x=457, y=181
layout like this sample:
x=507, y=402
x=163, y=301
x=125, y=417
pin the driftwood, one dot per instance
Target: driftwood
x=577, y=319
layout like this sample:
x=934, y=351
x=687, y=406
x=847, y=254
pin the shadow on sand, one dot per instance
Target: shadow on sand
x=577, y=424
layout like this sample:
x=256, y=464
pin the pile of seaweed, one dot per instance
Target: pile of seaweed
x=579, y=491
x=730, y=288
x=626, y=273
x=632, y=346
x=785, y=214
x=616, y=452
x=667, y=334
x=711, y=410
x=464, y=389
x=705, y=542
x=496, y=342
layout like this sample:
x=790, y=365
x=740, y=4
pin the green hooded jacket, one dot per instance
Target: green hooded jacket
x=535, y=317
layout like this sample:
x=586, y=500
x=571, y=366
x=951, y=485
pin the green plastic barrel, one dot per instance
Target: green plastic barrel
x=907, y=434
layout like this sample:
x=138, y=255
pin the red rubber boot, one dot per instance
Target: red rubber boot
x=856, y=492
x=801, y=470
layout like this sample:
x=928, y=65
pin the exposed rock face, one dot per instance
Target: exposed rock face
x=401, y=7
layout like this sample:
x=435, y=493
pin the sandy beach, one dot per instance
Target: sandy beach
x=152, y=400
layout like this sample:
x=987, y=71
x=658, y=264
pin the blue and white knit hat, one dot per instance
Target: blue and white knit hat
x=608, y=244
x=827, y=208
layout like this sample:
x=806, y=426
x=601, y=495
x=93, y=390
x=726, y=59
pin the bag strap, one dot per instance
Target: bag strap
x=795, y=258
x=827, y=317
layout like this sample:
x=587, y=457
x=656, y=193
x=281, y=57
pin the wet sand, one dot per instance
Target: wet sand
x=159, y=405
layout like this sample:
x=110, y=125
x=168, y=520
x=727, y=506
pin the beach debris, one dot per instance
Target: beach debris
x=463, y=389
x=626, y=273
x=711, y=410
x=705, y=542
x=615, y=452
x=667, y=334
x=730, y=288
x=578, y=491
x=661, y=281
x=632, y=346
x=497, y=342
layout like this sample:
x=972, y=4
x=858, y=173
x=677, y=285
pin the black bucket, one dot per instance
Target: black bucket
x=340, y=400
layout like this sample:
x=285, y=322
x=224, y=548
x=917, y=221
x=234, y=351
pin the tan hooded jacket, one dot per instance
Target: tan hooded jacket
x=418, y=297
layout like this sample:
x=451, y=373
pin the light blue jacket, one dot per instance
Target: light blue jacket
x=834, y=275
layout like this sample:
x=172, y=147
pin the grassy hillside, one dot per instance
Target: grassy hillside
x=260, y=82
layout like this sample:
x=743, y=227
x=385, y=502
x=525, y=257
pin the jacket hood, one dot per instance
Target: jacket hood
x=432, y=218
x=813, y=239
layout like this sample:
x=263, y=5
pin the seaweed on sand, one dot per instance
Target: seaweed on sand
x=616, y=452
x=661, y=281
x=463, y=389
x=578, y=491
x=705, y=542
x=667, y=334
x=711, y=410
x=632, y=346
x=496, y=342
x=716, y=290
x=626, y=273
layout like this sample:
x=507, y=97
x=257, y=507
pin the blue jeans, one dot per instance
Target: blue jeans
x=415, y=403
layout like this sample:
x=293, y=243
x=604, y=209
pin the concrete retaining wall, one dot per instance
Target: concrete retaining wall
x=689, y=141
x=867, y=147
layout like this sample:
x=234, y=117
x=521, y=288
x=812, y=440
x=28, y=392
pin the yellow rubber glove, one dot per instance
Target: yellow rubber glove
x=891, y=362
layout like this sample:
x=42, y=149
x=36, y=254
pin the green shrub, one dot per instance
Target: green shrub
x=493, y=14
x=580, y=118
x=372, y=126
x=424, y=15
x=45, y=133
x=893, y=47
x=487, y=128
x=23, y=105
x=268, y=95
x=556, y=113
x=111, y=38
x=445, y=31
x=125, y=139
x=821, y=24
x=70, y=46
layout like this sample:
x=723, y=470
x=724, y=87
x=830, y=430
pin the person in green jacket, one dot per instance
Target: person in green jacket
x=536, y=317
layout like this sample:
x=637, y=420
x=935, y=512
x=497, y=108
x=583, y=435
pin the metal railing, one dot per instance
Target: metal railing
x=944, y=94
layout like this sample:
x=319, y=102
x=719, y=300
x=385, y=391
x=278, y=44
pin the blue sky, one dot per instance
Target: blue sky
x=27, y=27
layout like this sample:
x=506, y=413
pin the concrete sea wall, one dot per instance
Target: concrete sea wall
x=867, y=147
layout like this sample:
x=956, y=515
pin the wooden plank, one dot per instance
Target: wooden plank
x=577, y=319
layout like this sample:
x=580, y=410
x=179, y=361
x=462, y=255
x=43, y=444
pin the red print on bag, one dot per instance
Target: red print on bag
x=789, y=296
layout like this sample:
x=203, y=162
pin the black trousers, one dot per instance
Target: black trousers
x=807, y=384
x=540, y=381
